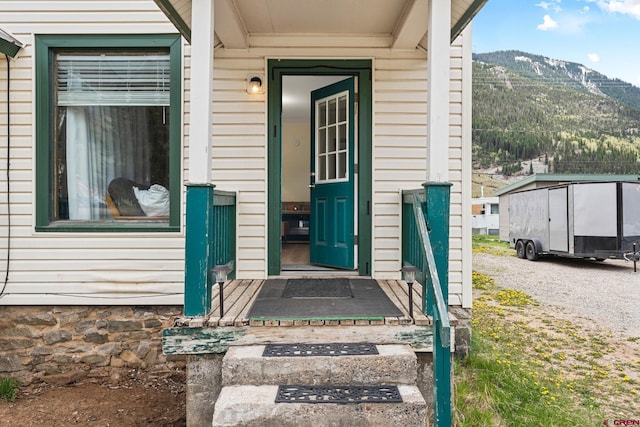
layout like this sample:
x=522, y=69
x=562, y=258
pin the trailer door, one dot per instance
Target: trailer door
x=558, y=220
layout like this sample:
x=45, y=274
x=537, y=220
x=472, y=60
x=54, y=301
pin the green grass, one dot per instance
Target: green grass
x=495, y=386
x=491, y=245
x=9, y=389
x=529, y=368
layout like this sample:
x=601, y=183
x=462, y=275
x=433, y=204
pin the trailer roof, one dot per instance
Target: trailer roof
x=559, y=178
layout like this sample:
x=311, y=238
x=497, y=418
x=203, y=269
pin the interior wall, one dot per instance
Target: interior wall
x=296, y=152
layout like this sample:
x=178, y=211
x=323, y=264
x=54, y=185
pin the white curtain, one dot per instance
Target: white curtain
x=103, y=143
x=109, y=99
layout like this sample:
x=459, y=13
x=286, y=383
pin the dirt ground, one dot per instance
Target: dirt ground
x=157, y=400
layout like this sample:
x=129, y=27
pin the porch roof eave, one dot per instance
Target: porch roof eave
x=465, y=18
x=9, y=45
x=234, y=33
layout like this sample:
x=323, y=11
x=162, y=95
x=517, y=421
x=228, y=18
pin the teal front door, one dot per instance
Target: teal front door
x=332, y=218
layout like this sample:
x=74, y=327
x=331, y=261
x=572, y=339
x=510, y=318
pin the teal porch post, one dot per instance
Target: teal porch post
x=198, y=257
x=437, y=200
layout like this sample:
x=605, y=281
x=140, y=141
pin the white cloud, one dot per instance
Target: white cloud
x=548, y=25
x=593, y=57
x=574, y=24
x=550, y=5
x=637, y=82
x=624, y=7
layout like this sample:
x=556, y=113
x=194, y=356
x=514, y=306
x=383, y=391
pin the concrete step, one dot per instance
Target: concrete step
x=245, y=365
x=249, y=406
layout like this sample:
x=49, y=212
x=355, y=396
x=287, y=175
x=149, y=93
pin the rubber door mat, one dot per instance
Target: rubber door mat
x=368, y=301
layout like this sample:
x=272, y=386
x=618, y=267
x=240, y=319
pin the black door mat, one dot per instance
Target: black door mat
x=329, y=349
x=338, y=394
x=317, y=288
x=368, y=302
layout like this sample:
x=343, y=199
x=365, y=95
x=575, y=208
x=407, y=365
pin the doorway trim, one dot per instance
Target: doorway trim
x=277, y=68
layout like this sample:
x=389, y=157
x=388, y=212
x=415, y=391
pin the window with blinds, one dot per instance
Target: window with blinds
x=112, y=135
x=108, y=132
x=140, y=79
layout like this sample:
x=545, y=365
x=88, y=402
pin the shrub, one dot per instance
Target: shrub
x=9, y=389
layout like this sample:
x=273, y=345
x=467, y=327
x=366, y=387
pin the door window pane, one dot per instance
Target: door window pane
x=342, y=165
x=322, y=114
x=331, y=163
x=332, y=138
x=322, y=168
x=342, y=109
x=322, y=141
x=332, y=112
x=342, y=137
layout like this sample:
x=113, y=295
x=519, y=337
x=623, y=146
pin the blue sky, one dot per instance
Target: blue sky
x=604, y=35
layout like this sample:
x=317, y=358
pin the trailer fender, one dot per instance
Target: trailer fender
x=538, y=245
x=533, y=248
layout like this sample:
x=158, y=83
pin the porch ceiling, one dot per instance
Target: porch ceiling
x=241, y=24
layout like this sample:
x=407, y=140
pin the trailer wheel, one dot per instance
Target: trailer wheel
x=530, y=250
x=520, y=251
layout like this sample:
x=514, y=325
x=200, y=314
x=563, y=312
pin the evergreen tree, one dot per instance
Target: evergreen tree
x=518, y=117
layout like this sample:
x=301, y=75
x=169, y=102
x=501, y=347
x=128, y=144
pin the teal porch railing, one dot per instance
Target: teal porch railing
x=425, y=245
x=210, y=240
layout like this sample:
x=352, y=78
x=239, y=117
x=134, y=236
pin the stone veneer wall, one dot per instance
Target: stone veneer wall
x=63, y=344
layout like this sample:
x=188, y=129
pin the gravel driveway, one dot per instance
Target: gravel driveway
x=607, y=293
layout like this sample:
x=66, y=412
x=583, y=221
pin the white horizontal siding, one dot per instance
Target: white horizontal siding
x=24, y=9
x=239, y=159
x=74, y=268
x=24, y=18
x=400, y=154
x=128, y=265
x=400, y=158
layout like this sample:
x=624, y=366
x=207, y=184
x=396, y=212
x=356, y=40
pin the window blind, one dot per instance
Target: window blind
x=106, y=79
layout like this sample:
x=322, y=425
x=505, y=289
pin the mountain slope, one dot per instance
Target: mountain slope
x=569, y=74
x=527, y=106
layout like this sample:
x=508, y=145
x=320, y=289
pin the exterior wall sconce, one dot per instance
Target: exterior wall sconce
x=221, y=277
x=254, y=85
x=410, y=277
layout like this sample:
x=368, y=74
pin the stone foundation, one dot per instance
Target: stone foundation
x=63, y=344
x=463, y=331
x=204, y=383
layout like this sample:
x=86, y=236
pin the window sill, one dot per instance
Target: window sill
x=130, y=225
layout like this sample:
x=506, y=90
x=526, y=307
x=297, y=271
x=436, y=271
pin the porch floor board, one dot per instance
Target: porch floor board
x=240, y=294
x=398, y=292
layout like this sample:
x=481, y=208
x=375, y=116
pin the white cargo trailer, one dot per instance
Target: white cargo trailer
x=597, y=220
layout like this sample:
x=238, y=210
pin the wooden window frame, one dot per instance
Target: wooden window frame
x=45, y=46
